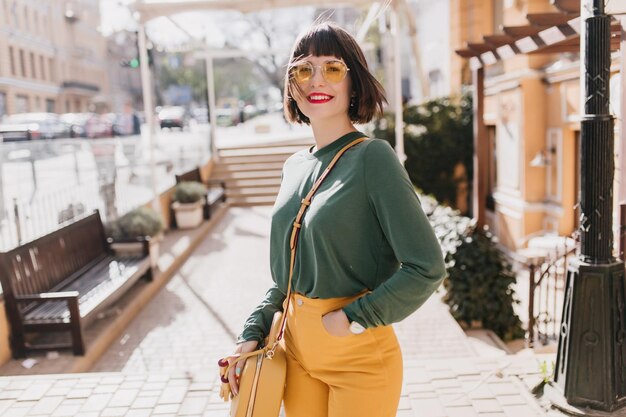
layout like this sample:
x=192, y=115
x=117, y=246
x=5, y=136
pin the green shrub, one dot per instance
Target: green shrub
x=438, y=136
x=478, y=287
x=139, y=222
x=188, y=192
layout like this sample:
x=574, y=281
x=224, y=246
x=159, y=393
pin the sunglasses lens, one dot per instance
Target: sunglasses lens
x=302, y=73
x=334, y=72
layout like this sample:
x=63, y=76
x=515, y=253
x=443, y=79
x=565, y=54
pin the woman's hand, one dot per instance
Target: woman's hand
x=336, y=323
x=235, y=371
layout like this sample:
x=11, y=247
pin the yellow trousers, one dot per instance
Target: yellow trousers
x=329, y=376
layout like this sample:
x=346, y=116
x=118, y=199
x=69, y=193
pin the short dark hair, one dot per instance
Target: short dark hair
x=329, y=39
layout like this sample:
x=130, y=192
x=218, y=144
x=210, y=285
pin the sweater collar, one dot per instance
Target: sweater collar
x=334, y=146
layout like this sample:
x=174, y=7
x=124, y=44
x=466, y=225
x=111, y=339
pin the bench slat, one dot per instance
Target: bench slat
x=93, y=288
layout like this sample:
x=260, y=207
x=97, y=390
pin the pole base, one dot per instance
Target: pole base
x=591, y=358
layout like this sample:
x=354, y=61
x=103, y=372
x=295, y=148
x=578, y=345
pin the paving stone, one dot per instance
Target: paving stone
x=503, y=388
x=486, y=406
x=466, y=411
x=166, y=408
x=518, y=411
x=172, y=395
x=46, y=406
x=34, y=392
x=515, y=399
x=79, y=393
x=123, y=398
x=96, y=402
x=141, y=412
x=192, y=406
x=114, y=412
x=430, y=407
x=66, y=410
x=145, y=402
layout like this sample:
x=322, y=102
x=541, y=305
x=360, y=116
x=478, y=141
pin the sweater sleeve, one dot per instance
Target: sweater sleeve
x=411, y=237
x=258, y=324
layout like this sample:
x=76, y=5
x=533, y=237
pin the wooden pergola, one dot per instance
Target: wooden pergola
x=545, y=33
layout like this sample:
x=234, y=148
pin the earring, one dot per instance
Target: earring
x=352, y=100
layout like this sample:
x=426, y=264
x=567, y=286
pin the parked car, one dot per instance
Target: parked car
x=32, y=126
x=200, y=115
x=76, y=123
x=174, y=116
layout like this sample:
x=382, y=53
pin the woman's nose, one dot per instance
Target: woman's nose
x=317, y=78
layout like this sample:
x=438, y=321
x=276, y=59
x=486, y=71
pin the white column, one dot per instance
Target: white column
x=210, y=86
x=148, y=107
x=397, y=83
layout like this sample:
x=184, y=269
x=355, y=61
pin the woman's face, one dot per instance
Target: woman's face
x=322, y=100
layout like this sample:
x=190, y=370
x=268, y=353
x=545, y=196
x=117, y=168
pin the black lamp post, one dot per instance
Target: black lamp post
x=591, y=358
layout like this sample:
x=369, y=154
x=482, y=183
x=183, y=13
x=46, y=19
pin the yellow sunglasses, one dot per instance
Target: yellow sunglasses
x=333, y=71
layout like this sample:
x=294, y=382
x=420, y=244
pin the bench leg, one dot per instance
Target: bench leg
x=149, y=275
x=78, y=344
x=18, y=346
x=206, y=211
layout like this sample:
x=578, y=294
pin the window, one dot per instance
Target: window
x=42, y=68
x=26, y=22
x=12, y=60
x=498, y=15
x=16, y=21
x=22, y=63
x=492, y=167
x=35, y=22
x=37, y=103
x=3, y=104
x=50, y=104
x=21, y=104
x=51, y=70
x=435, y=79
x=33, y=69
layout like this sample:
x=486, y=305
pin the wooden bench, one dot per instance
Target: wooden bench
x=216, y=190
x=61, y=281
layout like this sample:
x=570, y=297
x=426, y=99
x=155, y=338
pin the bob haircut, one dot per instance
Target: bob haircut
x=329, y=39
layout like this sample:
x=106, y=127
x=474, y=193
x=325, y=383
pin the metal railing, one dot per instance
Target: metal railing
x=547, y=274
x=27, y=220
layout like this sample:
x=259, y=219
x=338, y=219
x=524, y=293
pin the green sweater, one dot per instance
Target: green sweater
x=364, y=230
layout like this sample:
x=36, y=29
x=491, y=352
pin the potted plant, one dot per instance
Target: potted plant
x=187, y=203
x=136, y=232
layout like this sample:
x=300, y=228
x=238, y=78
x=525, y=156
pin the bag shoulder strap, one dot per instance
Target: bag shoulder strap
x=297, y=225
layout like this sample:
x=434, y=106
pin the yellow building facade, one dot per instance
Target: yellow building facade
x=531, y=116
x=52, y=57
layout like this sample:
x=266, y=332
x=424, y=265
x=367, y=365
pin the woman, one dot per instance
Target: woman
x=366, y=257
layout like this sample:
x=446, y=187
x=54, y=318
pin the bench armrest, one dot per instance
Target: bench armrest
x=138, y=239
x=144, y=240
x=48, y=296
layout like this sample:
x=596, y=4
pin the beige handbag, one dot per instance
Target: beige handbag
x=262, y=379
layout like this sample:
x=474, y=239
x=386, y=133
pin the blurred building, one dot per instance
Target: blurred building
x=51, y=56
x=531, y=113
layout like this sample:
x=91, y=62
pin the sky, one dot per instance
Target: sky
x=116, y=15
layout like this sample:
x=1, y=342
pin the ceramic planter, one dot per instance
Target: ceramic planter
x=188, y=215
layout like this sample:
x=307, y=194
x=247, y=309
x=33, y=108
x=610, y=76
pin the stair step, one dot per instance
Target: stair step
x=252, y=183
x=252, y=201
x=252, y=192
x=246, y=175
x=302, y=143
x=254, y=159
x=252, y=166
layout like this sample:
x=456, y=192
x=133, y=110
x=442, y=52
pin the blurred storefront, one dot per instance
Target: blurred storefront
x=523, y=59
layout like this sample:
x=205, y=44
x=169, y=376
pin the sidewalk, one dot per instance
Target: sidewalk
x=164, y=362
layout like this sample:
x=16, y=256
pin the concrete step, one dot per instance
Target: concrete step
x=223, y=153
x=251, y=192
x=252, y=201
x=245, y=167
x=255, y=159
x=291, y=146
x=248, y=174
x=232, y=183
